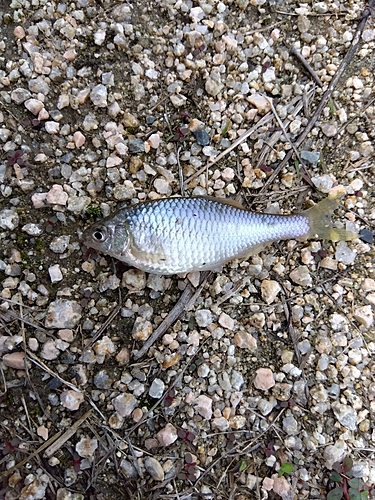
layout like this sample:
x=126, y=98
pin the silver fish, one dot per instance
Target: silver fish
x=180, y=235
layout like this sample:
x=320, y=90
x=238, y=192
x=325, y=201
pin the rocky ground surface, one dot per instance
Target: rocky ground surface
x=264, y=386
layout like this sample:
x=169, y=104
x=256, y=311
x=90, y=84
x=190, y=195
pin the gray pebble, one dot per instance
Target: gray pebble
x=311, y=157
x=154, y=468
x=156, y=389
x=202, y=138
x=102, y=380
x=136, y=146
x=346, y=415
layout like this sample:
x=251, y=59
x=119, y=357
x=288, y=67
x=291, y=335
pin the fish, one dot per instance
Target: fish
x=179, y=235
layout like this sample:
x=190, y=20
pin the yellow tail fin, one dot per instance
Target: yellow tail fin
x=320, y=219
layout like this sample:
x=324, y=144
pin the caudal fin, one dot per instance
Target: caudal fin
x=320, y=222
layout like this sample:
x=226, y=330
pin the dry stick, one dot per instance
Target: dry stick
x=182, y=304
x=45, y=445
x=51, y=450
x=275, y=137
x=267, y=118
x=185, y=303
x=180, y=173
x=173, y=315
x=305, y=64
x=108, y=321
x=32, y=357
x=281, y=125
x=345, y=62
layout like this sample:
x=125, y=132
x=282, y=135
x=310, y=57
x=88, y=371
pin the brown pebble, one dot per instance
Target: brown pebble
x=245, y=340
x=15, y=360
x=19, y=32
x=137, y=414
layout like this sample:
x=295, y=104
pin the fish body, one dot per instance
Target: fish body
x=180, y=235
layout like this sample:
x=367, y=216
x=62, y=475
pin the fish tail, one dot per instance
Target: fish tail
x=320, y=222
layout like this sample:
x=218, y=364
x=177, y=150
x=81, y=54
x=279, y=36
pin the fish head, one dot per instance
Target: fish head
x=108, y=237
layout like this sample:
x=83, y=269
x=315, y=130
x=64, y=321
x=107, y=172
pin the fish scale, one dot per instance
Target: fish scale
x=179, y=235
x=200, y=233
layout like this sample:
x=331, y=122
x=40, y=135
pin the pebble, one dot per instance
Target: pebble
x=86, y=447
x=102, y=380
x=203, y=317
x=346, y=415
x=34, y=106
x=269, y=290
x=71, y=399
x=202, y=138
x=154, y=468
x=124, y=404
x=134, y=279
x=9, y=219
x=57, y=196
x=128, y=469
x=142, y=329
x=364, y=316
x=79, y=139
x=63, y=313
x=55, y=273
x=32, y=229
x=157, y=388
x=290, y=425
x=98, y=96
x=52, y=127
x=129, y=120
x=323, y=183
x=368, y=285
x=301, y=276
x=260, y=102
x=329, y=129
x=334, y=453
x=59, y=244
x=220, y=423
x=344, y=253
x=245, y=340
x=264, y=379
x=204, y=406
x=136, y=146
x=226, y=321
x=49, y=350
x=14, y=360
x=154, y=141
x=282, y=487
x=167, y=436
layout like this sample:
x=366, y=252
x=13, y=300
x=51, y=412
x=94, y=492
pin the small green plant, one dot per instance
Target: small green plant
x=286, y=468
x=347, y=487
x=39, y=244
x=92, y=211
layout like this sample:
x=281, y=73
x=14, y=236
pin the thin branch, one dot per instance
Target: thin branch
x=327, y=94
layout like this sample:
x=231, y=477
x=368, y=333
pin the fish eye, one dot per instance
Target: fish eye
x=99, y=234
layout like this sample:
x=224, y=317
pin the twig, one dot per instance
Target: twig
x=327, y=94
x=282, y=127
x=267, y=118
x=45, y=445
x=305, y=64
x=298, y=104
x=58, y=443
x=32, y=357
x=172, y=317
x=237, y=287
x=108, y=321
x=180, y=174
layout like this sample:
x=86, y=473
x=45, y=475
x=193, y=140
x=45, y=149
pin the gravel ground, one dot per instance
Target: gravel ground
x=263, y=387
